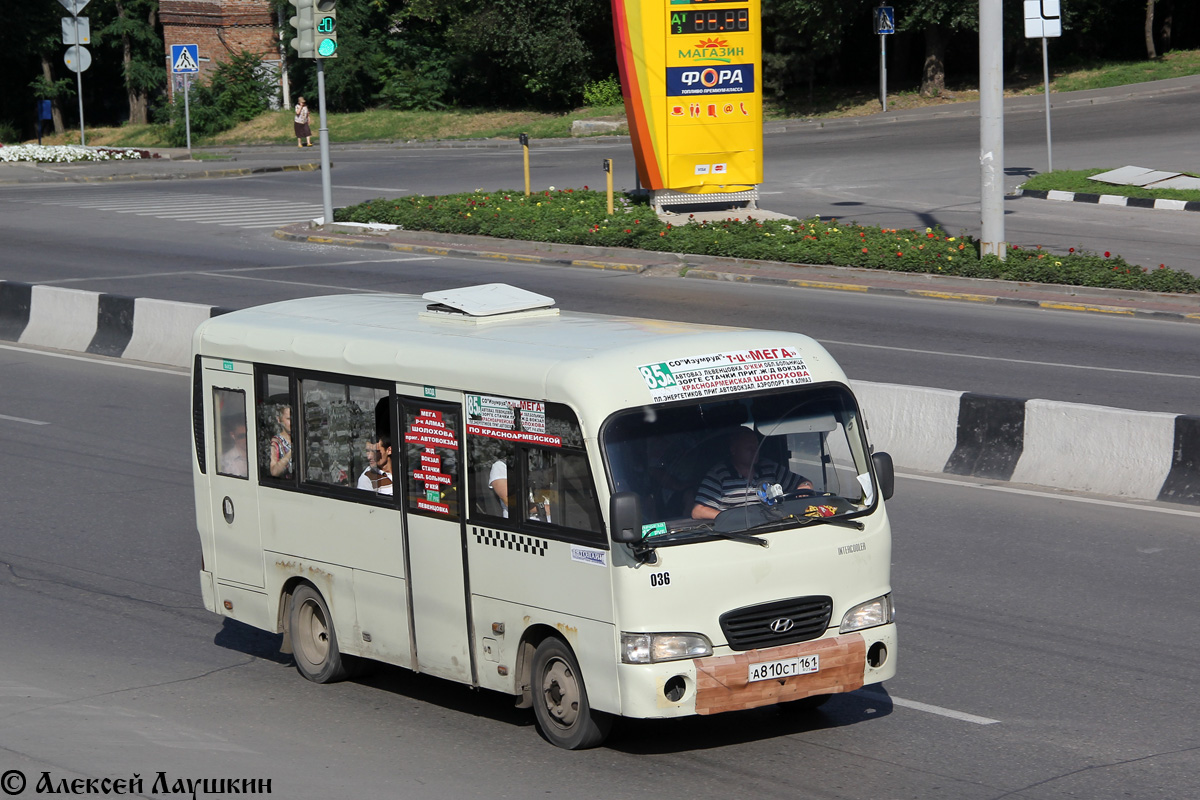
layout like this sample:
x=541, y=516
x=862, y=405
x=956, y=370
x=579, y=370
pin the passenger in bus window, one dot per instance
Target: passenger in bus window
x=735, y=482
x=378, y=476
x=498, y=481
x=281, y=444
x=233, y=460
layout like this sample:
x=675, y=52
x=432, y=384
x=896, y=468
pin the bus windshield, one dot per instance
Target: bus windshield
x=745, y=465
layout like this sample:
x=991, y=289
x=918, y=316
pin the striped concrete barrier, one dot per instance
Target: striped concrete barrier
x=1084, y=448
x=141, y=329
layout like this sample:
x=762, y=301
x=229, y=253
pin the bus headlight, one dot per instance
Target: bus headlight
x=870, y=614
x=651, y=648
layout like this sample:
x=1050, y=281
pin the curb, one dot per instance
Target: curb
x=962, y=297
x=1134, y=454
x=1156, y=204
x=452, y=249
x=1065, y=298
x=165, y=176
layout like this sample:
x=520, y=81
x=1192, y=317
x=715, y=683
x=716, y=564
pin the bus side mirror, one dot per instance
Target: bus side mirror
x=625, y=517
x=885, y=473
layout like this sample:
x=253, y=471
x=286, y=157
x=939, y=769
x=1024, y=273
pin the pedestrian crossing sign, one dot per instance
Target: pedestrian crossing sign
x=185, y=58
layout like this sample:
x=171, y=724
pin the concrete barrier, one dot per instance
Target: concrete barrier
x=141, y=329
x=1112, y=451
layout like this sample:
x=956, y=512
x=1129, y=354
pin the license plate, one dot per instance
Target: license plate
x=784, y=668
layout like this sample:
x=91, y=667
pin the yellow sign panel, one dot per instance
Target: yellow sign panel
x=691, y=71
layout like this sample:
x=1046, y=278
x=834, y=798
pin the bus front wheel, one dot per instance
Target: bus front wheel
x=314, y=643
x=560, y=700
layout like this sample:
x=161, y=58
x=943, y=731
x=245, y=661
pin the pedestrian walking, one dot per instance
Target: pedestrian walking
x=301, y=124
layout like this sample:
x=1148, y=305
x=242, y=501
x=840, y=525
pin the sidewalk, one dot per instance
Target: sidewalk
x=1172, y=307
x=173, y=164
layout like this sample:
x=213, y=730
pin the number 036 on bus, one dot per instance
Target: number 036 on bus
x=601, y=516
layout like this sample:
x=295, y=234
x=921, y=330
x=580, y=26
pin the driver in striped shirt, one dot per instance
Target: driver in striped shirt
x=735, y=482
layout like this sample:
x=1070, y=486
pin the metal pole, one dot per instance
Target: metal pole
x=525, y=154
x=1046, y=74
x=883, y=71
x=187, y=111
x=79, y=78
x=326, y=187
x=991, y=126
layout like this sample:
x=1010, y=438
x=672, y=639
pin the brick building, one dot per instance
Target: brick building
x=220, y=28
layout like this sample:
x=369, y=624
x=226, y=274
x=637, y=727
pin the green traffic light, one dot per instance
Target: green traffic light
x=327, y=47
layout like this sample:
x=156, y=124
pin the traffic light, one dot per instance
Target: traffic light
x=304, y=42
x=326, y=28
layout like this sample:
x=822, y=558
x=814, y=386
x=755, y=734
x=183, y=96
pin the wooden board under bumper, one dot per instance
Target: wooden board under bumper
x=721, y=683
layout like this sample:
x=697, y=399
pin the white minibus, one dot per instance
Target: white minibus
x=602, y=516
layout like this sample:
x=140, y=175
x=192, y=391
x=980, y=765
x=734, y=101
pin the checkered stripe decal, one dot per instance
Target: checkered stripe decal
x=511, y=541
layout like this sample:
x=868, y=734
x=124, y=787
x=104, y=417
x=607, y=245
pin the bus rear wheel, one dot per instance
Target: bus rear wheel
x=314, y=643
x=560, y=701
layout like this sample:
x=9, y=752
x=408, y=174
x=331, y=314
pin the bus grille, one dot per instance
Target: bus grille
x=768, y=625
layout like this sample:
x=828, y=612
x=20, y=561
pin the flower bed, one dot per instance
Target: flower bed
x=579, y=217
x=62, y=154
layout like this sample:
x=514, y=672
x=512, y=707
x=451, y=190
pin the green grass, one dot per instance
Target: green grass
x=1065, y=180
x=1106, y=74
x=577, y=217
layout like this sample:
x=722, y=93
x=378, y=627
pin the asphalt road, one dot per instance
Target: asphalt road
x=1046, y=648
x=110, y=238
x=208, y=241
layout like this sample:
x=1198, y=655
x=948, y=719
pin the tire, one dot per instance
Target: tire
x=560, y=701
x=314, y=643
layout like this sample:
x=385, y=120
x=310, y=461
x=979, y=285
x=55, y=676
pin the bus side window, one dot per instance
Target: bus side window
x=493, y=475
x=229, y=431
x=561, y=490
x=338, y=425
x=276, y=425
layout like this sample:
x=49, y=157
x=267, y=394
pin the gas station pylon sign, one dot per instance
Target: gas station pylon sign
x=691, y=75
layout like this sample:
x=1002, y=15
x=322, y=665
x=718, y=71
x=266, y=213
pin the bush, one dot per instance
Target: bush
x=237, y=92
x=604, y=92
x=580, y=217
x=9, y=133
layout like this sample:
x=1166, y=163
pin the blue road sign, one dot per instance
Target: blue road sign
x=185, y=58
x=885, y=20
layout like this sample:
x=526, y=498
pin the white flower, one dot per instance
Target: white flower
x=65, y=153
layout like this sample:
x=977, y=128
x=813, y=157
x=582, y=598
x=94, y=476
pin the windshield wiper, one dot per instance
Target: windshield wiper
x=742, y=537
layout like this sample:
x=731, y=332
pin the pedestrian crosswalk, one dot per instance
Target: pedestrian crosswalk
x=224, y=211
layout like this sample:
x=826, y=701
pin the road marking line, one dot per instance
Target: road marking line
x=94, y=359
x=220, y=272
x=1179, y=512
x=1010, y=360
x=22, y=419
x=929, y=709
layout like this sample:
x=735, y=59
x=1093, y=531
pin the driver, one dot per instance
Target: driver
x=735, y=482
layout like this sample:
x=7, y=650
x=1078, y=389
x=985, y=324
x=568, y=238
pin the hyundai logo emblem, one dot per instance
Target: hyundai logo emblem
x=782, y=625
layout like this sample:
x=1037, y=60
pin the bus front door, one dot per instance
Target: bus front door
x=233, y=484
x=435, y=535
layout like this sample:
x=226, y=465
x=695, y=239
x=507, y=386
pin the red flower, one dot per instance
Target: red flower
x=864, y=249
x=628, y=231
x=899, y=255
x=1107, y=254
x=1070, y=249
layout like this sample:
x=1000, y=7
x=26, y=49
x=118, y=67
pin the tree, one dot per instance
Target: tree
x=134, y=30
x=1149, y=31
x=803, y=37
x=938, y=20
